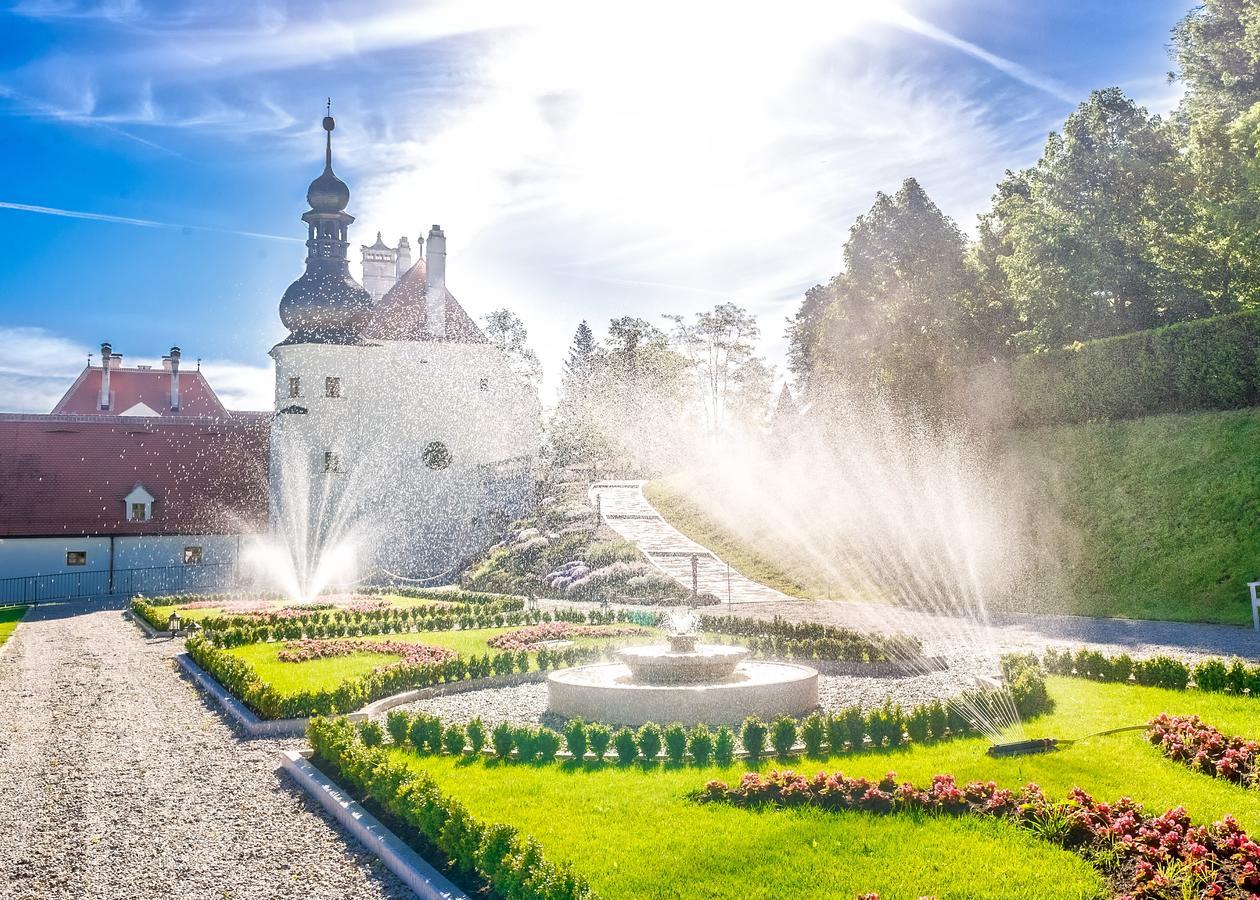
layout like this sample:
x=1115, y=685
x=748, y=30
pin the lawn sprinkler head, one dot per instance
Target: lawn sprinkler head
x=1026, y=748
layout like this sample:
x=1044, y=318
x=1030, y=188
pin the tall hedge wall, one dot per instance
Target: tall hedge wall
x=1204, y=364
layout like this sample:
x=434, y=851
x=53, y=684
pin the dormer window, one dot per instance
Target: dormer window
x=485, y=384
x=138, y=505
x=295, y=386
x=332, y=386
x=332, y=461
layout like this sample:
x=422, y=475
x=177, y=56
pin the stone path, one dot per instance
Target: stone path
x=122, y=783
x=947, y=635
x=628, y=512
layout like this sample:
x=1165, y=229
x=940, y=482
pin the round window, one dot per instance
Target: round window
x=436, y=456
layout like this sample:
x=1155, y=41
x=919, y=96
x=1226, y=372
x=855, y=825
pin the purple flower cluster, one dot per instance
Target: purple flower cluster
x=1189, y=740
x=529, y=638
x=1157, y=856
x=412, y=654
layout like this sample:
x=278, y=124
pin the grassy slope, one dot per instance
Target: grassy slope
x=751, y=560
x=1164, y=513
x=1168, y=509
x=9, y=617
x=635, y=834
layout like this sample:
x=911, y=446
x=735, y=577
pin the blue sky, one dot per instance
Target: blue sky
x=585, y=160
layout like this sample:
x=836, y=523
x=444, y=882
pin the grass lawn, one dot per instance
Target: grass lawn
x=9, y=618
x=317, y=674
x=634, y=833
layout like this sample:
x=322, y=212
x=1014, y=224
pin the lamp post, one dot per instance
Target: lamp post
x=172, y=624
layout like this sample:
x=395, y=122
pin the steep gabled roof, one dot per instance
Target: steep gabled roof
x=133, y=387
x=401, y=315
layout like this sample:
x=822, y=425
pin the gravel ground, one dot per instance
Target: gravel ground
x=122, y=783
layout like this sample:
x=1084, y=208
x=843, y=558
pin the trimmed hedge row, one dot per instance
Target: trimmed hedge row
x=240, y=679
x=1215, y=675
x=512, y=866
x=812, y=640
x=1202, y=364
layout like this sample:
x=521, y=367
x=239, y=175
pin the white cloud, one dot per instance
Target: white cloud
x=241, y=386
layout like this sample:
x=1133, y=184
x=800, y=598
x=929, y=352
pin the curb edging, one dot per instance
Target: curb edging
x=410, y=867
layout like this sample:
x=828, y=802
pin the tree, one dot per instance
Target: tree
x=803, y=330
x=718, y=343
x=505, y=330
x=574, y=433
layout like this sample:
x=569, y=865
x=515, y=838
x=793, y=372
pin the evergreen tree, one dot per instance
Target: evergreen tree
x=574, y=432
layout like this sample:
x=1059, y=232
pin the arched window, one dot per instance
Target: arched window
x=436, y=456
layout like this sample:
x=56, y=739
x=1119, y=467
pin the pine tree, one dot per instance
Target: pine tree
x=573, y=429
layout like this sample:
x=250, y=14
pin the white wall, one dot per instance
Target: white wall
x=21, y=557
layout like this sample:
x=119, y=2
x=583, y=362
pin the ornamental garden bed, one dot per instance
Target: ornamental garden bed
x=637, y=830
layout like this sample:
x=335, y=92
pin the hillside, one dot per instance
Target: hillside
x=1155, y=518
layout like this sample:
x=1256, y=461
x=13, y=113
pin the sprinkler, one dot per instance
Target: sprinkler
x=1048, y=745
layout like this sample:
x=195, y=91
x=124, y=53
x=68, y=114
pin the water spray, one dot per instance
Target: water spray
x=1049, y=745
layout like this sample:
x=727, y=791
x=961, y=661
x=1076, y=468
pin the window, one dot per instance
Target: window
x=485, y=384
x=436, y=456
x=192, y=556
x=332, y=386
x=76, y=557
x=139, y=512
x=332, y=461
x=138, y=505
x=295, y=386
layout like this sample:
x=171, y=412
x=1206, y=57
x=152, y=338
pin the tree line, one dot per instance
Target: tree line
x=1128, y=221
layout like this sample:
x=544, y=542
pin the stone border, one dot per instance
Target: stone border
x=406, y=863
x=239, y=713
x=148, y=629
x=889, y=669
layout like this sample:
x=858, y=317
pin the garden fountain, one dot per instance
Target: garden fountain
x=682, y=681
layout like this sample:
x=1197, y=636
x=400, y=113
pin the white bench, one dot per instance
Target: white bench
x=1255, y=604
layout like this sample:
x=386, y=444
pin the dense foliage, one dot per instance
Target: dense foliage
x=1187, y=739
x=1213, y=674
x=511, y=865
x=780, y=637
x=1144, y=856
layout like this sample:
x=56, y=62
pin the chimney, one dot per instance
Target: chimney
x=107, y=362
x=402, y=262
x=435, y=283
x=172, y=364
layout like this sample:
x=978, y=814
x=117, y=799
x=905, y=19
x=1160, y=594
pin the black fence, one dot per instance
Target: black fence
x=199, y=578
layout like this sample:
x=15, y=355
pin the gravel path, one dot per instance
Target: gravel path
x=122, y=783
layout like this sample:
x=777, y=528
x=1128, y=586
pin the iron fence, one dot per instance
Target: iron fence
x=35, y=589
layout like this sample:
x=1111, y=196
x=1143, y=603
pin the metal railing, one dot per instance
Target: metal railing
x=198, y=578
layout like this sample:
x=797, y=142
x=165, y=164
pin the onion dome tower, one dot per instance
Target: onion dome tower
x=326, y=305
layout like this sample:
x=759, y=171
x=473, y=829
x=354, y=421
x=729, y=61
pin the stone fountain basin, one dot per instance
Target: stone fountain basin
x=662, y=665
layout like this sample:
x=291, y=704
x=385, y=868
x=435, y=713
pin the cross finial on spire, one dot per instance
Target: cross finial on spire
x=328, y=107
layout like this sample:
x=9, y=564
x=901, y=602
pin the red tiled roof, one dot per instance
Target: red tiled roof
x=62, y=475
x=401, y=315
x=152, y=387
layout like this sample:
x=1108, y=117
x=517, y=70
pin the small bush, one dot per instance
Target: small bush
x=575, y=738
x=624, y=745
x=454, y=740
x=938, y=719
x=547, y=744
x=724, y=746
x=371, y=734
x=476, y=730
x=783, y=735
x=675, y=738
x=855, y=727
x=700, y=743
x=398, y=724
x=837, y=733
x=753, y=735
x=813, y=733
x=599, y=735
x=918, y=724
x=503, y=737
x=604, y=553
x=649, y=738
x=418, y=734
x=526, y=740
x=1210, y=675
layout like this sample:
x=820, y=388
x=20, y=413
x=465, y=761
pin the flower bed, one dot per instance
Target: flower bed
x=1143, y=855
x=529, y=638
x=493, y=855
x=411, y=654
x=1188, y=740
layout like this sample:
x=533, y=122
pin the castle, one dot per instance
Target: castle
x=398, y=427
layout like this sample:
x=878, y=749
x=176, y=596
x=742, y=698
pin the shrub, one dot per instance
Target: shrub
x=371, y=734
x=503, y=737
x=675, y=738
x=476, y=730
x=783, y=735
x=938, y=719
x=1210, y=675
x=454, y=739
x=753, y=736
x=700, y=743
x=526, y=740
x=1162, y=671
x=918, y=725
x=1030, y=694
x=575, y=738
x=599, y=736
x=547, y=744
x=604, y=553
x=624, y=745
x=398, y=724
x=724, y=746
x=855, y=727
x=418, y=734
x=432, y=733
x=813, y=733
x=649, y=739
x=837, y=733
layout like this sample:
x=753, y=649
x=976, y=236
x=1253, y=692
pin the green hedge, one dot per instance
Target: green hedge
x=512, y=866
x=1213, y=674
x=1203, y=364
x=811, y=640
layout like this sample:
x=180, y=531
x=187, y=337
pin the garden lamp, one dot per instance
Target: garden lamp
x=172, y=624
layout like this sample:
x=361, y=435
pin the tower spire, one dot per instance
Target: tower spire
x=329, y=125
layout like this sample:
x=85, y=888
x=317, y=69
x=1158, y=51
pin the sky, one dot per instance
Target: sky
x=585, y=160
